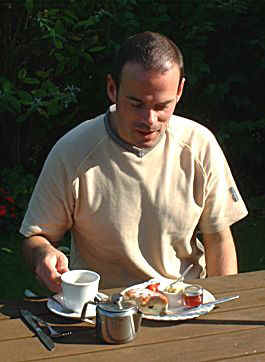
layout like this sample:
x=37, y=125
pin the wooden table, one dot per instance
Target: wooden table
x=233, y=331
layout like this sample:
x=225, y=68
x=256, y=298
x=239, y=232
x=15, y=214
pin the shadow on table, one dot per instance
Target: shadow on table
x=226, y=322
x=158, y=324
x=82, y=333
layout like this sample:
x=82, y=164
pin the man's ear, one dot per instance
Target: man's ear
x=180, y=88
x=111, y=89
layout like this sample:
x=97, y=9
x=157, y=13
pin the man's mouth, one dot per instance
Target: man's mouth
x=147, y=132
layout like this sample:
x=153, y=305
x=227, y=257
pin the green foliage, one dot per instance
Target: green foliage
x=44, y=52
x=45, y=100
x=8, y=211
x=223, y=43
x=244, y=141
x=55, y=56
x=17, y=184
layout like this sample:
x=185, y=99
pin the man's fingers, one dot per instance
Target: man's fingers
x=62, y=264
x=50, y=277
x=50, y=280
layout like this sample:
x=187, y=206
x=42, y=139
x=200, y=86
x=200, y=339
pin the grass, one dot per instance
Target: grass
x=16, y=277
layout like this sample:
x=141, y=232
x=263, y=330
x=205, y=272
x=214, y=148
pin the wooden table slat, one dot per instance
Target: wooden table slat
x=233, y=331
x=237, y=344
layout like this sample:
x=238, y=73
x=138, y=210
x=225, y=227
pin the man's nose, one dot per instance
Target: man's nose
x=149, y=117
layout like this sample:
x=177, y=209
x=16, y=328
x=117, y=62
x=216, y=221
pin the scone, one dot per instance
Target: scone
x=148, y=301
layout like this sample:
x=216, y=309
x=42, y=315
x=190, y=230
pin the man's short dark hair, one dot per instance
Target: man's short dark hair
x=153, y=51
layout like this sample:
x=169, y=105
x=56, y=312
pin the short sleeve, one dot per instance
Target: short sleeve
x=223, y=204
x=51, y=205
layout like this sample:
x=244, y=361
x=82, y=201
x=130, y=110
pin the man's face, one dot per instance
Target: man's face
x=145, y=102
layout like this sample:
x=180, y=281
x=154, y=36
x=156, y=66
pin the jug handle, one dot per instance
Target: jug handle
x=84, y=309
x=132, y=325
x=137, y=319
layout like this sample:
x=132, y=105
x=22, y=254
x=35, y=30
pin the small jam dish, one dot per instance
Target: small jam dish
x=193, y=295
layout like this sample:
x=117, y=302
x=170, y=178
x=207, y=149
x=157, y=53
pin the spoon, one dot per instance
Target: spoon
x=181, y=278
x=29, y=294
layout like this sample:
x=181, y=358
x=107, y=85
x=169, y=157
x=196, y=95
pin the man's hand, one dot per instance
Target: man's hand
x=50, y=265
x=47, y=261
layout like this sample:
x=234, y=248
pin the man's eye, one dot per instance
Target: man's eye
x=162, y=107
x=136, y=105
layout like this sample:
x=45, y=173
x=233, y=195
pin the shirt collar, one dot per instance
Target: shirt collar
x=140, y=152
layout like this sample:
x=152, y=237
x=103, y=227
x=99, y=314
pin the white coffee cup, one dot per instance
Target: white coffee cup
x=79, y=287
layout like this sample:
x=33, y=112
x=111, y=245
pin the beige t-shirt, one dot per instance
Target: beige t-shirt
x=132, y=216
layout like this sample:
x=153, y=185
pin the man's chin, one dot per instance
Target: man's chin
x=148, y=140
x=147, y=144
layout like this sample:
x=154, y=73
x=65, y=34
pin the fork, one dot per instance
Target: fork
x=53, y=333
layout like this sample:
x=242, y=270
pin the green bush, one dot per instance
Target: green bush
x=44, y=52
x=15, y=191
x=55, y=56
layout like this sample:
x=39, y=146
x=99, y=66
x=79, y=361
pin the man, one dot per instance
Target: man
x=135, y=185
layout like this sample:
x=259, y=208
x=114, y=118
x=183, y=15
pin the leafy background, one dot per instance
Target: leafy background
x=53, y=62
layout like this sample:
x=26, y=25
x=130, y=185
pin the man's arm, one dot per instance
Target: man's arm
x=220, y=253
x=46, y=261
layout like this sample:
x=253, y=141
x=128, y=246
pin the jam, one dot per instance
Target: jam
x=193, y=295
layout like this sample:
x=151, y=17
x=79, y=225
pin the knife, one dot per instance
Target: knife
x=44, y=338
x=209, y=304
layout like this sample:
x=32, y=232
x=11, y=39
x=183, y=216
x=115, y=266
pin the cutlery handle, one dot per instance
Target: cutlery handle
x=222, y=300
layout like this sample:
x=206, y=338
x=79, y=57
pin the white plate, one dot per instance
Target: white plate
x=179, y=313
x=59, y=309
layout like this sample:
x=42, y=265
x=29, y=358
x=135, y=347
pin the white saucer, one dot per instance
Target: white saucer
x=59, y=309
